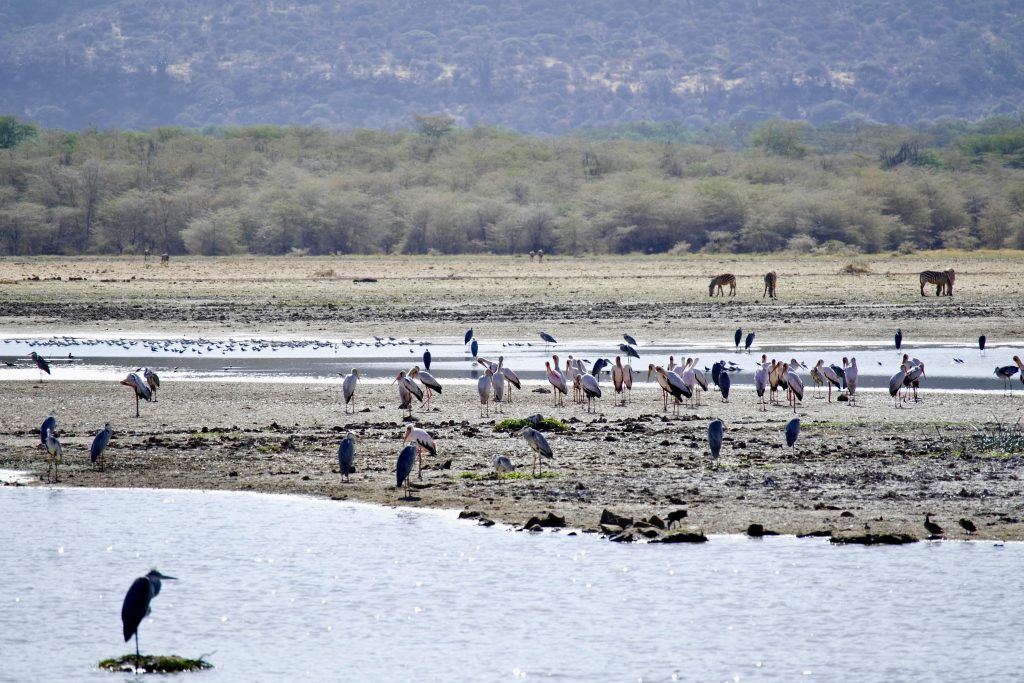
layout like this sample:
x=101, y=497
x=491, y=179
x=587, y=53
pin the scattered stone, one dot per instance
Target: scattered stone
x=485, y=521
x=624, y=537
x=611, y=529
x=682, y=537
x=608, y=517
x=846, y=513
x=874, y=539
x=821, y=533
x=656, y=521
x=470, y=514
x=548, y=521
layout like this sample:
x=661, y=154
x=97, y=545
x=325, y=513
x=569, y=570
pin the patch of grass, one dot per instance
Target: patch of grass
x=548, y=424
x=513, y=475
x=544, y=475
x=170, y=664
x=469, y=475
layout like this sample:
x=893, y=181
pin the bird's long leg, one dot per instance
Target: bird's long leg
x=137, y=655
x=136, y=405
x=419, y=455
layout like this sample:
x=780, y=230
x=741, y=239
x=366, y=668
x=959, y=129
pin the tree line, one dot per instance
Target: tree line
x=778, y=185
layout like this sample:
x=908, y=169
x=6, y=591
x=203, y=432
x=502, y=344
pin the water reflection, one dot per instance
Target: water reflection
x=284, y=588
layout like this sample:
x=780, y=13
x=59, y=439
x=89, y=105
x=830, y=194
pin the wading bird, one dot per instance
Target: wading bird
x=539, y=445
x=40, y=363
x=796, y=385
x=898, y=339
x=469, y=335
x=403, y=468
x=1020, y=366
x=630, y=340
x=348, y=389
x=407, y=390
x=981, y=344
x=792, y=431
x=347, y=455
x=591, y=389
x=760, y=384
x=749, y=341
x=851, y=380
x=139, y=387
x=629, y=351
x=49, y=425
x=619, y=380
x=548, y=339
x=715, y=431
x=427, y=380
x=426, y=359
x=510, y=376
x=829, y=376
x=557, y=382
x=483, y=388
x=474, y=347
x=724, y=383
x=931, y=527
x=502, y=464
x=1006, y=373
x=738, y=336
x=896, y=383
x=56, y=453
x=152, y=381
x=913, y=378
x=99, y=445
x=422, y=440
x=136, y=606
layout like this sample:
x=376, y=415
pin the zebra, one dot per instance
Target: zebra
x=720, y=282
x=769, y=284
x=943, y=281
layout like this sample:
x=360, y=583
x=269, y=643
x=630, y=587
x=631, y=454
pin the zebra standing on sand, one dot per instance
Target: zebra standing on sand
x=721, y=281
x=769, y=284
x=942, y=279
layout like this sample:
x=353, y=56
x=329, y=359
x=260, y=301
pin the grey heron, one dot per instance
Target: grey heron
x=501, y=464
x=715, y=431
x=99, y=445
x=152, y=381
x=403, y=468
x=629, y=351
x=348, y=389
x=49, y=425
x=539, y=445
x=630, y=340
x=40, y=363
x=792, y=431
x=548, y=339
x=139, y=387
x=469, y=335
x=347, y=455
x=422, y=440
x=136, y=605
x=56, y=455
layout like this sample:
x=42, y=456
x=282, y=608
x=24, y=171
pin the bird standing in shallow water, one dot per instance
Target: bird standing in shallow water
x=899, y=339
x=136, y=606
x=981, y=344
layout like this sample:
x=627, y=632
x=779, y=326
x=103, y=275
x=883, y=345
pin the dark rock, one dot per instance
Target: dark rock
x=816, y=534
x=484, y=521
x=656, y=521
x=609, y=517
x=232, y=473
x=874, y=539
x=649, y=533
x=611, y=529
x=624, y=537
x=846, y=513
x=446, y=465
x=755, y=530
x=535, y=527
x=682, y=537
x=542, y=390
x=470, y=514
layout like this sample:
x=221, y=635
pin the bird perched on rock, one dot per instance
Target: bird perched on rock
x=135, y=607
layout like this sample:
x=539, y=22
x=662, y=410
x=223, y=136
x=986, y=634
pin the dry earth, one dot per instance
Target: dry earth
x=871, y=468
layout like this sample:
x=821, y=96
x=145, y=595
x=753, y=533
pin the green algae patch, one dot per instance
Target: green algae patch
x=155, y=664
x=547, y=424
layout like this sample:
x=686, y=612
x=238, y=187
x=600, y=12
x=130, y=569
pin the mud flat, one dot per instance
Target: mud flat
x=855, y=470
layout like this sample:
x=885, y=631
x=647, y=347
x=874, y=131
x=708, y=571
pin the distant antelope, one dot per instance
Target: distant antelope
x=721, y=281
x=943, y=281
x=769, y=284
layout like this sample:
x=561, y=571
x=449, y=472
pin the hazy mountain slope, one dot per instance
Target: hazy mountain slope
x=530, y=65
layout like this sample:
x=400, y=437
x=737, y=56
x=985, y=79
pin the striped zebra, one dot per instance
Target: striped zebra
x=769, y=284
x=942, y=279
x=720, y=282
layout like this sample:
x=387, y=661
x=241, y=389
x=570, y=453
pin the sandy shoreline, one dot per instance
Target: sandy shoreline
x=871, y=469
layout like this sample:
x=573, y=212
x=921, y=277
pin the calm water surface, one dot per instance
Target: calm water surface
x=285, y=588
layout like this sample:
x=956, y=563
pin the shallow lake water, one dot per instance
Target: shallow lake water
x=288, y=588
x=956, y=367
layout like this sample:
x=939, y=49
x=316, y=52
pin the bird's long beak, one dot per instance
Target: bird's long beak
x=165, y=577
